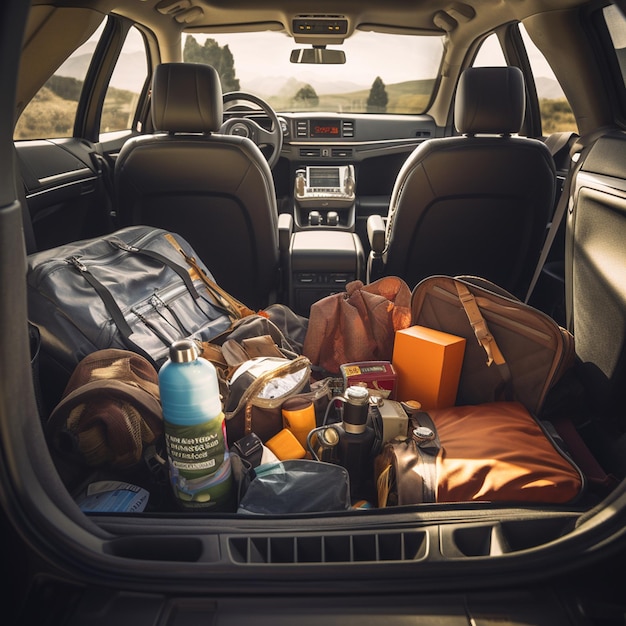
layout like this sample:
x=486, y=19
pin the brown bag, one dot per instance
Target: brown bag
x=494, y=452
x=513, y=351
x=110, y=410
x=357, y=325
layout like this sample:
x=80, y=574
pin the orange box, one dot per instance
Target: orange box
x=285, y=446
x=428, y=366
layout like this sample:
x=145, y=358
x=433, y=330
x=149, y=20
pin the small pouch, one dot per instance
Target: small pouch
x=258, y=390
x=297, y=486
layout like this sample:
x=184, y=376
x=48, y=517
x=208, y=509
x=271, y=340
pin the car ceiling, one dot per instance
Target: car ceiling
x=433, y=15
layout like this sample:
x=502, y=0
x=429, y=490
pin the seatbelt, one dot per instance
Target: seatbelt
x=576, y=157
x=557, y=218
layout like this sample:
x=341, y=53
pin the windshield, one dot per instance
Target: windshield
x=382, y=74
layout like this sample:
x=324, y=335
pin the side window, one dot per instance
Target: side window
x=51, y=113
x=127, y=81
x=616, y=23
x=490, y=53
x=556, y=113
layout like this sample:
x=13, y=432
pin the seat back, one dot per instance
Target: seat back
x=217, y=191
x=595, y=278
x=477, y=203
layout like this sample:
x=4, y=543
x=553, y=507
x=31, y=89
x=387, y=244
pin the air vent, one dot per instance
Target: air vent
x=310, y=152
x=341, y=153
x=332, y=548
x=302, y=128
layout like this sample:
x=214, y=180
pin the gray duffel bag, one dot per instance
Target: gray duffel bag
x=133, y=289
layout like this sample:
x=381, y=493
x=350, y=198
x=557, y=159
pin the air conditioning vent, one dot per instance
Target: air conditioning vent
x=341, y=153
x=331, y=548
x=310, y=152
x=302, y=128
x=347, y=129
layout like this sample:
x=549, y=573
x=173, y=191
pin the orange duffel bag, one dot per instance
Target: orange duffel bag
x=496, y=452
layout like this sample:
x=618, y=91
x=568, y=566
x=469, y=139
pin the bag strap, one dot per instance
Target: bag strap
x=111, y=306
x=485, y=338
x=428, y=449
x=411, y=464
x=479, y=326
x=151, y=254
x=234, y=307
x=106, y=296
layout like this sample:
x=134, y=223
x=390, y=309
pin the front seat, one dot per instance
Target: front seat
x=473, y=204
x=217, y=191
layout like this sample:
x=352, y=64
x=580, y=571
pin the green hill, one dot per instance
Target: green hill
x=407, y=97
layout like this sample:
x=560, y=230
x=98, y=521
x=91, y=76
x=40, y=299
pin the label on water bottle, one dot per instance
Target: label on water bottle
x=199, y=463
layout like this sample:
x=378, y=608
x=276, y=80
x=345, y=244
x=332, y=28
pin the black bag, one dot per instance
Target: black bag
x=139, y=288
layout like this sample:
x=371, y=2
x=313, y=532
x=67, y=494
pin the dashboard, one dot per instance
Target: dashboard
x=344, y=137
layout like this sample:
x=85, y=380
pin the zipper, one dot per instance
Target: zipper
x=167, y=341
x=158, y=303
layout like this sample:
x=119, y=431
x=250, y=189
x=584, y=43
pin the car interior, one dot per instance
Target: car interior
x=478, y=138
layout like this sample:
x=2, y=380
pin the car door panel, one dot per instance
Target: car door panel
x=65, y=190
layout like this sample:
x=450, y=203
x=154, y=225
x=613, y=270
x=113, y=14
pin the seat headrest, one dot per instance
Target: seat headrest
x=490, y=100
x=186, y=98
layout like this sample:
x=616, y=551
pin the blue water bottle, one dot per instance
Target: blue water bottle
x=195, y=437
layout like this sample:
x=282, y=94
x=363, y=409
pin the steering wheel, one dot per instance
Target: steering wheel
x=247, y=127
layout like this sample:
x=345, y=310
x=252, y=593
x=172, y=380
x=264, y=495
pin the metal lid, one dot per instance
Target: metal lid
x=329, y=437
x=183, y=351
x=422, y=434
x=357, y=394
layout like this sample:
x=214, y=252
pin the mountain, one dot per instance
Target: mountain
x=265, y=86
x=131, y=77
x=548, y=88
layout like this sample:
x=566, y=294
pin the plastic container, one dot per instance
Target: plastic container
x=195, y=435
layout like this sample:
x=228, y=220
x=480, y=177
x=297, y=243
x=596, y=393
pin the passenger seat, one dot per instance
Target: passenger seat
x=472, y=204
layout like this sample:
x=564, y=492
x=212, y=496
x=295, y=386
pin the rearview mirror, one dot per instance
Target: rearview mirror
x=317, y=55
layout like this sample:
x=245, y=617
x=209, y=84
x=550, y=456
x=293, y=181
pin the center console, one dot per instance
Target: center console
x=324, y=197
x=325, y=253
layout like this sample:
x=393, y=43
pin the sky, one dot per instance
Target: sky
x=366, y=59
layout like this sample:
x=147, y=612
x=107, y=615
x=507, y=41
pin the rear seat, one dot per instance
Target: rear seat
x=595, y=280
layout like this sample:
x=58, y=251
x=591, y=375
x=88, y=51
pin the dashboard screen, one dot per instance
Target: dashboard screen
x=323, y=177
x=325, y=128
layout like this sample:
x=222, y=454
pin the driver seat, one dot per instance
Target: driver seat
x=215, y=190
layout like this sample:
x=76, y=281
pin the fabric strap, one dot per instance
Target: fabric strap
x=235, y=309
x=485, y=339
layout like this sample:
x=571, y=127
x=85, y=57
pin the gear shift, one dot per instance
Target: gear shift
x=315, y=218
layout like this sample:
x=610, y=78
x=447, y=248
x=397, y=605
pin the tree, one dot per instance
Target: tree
x=378, y=98
x=211, y=53
x=306, y=96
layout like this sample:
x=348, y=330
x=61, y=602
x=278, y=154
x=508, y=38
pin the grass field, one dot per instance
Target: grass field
x=49, y=115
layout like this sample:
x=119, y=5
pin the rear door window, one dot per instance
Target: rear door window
x=127, y=81
x=52, y=112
